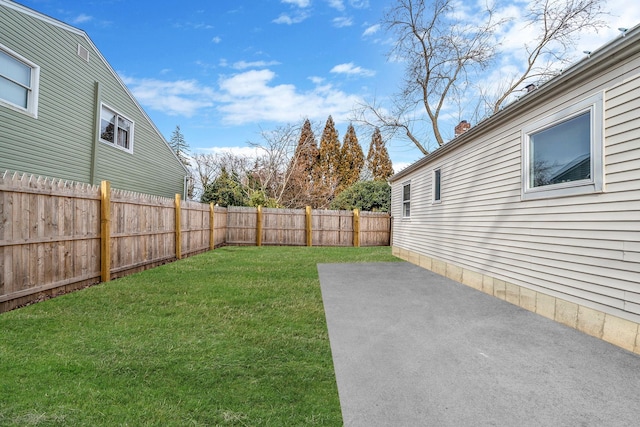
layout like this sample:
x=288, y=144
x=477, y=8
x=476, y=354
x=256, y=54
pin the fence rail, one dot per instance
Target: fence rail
x=57, y=236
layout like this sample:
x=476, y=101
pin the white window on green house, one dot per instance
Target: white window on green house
x=563, y=153
x=18, y=82
x=406, y=200
x=437, y=179
x=116, y=129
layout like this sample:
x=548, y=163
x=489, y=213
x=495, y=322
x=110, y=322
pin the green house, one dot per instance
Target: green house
x=65, y=113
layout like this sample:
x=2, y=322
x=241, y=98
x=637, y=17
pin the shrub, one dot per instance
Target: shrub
x=366, y=196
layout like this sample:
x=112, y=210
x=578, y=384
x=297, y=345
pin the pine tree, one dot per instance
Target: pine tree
x=328, y=164
x=225, y=190
x=299, y=189
x=352, y=160
x=378, y=161
x=180, y=146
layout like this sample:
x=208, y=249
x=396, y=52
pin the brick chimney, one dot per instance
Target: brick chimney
x=462, y=127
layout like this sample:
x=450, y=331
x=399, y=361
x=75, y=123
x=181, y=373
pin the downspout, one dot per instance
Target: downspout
x=96, y=131
x=188, y=180
x=185, y=188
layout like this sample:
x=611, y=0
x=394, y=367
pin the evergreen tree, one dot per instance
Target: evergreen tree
x=328, y=167
x=378, y=161
x=180, y=146
x=301, y=177
x=225, y=190
x=351, y=161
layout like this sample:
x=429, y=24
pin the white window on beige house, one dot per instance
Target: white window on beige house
x=437, y=181
x=563, y=153
x=406, y=200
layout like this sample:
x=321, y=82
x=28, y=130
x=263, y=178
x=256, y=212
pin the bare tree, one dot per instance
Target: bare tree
x=556, y=24
x=207, y=167
x=266, y=176
x=270, y=172
x=445, y=50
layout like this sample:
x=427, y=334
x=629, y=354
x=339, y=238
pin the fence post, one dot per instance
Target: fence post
x=212, y=227
x=178, y=234
x=356, y=228
x=308, y=225
x=105, y=231
x=259, y=227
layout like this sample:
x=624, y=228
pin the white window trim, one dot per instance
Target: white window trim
x=433, y=186
x=113, y=144
x=404, y=184
x=33, y=91
x=592, y=104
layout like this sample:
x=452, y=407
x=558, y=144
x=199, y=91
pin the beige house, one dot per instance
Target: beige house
x=540, y=204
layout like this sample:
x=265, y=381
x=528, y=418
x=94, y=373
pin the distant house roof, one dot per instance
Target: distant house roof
x=578, y=168
x=601, y=59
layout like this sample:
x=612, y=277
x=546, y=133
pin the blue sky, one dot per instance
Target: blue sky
x=225, y=70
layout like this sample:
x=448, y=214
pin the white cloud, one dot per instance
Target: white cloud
x=359, y=4
x=351, y=69
x=289, y=20
x=299, y=3
x=193, y=25
x=337, y=4
x=175, y=98
x=398, y=166
x=622, y=16
x=216, y=40
x=516, y=35
x=250, y=152
x=250, y=97
x=371, y=30
x=342, y=21
x=241, y=65
x=81, y=19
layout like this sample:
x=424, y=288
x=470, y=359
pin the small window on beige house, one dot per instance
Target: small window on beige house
x=437, y=180
x=406, y=200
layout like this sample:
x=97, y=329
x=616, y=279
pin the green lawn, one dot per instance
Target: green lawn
x=236, y=336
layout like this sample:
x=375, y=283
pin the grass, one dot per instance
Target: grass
x=236, y=336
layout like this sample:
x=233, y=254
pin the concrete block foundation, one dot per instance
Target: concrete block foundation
x=621, y=332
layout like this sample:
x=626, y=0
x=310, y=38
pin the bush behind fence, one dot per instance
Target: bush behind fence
x=58, y=236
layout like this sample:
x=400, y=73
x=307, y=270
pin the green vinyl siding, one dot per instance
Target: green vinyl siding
x=60, y=142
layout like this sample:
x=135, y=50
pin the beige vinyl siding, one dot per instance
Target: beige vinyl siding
x=60, y=142
x=584, y=249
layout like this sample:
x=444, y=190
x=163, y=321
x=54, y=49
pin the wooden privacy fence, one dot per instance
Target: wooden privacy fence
x=57, y=236
x=306, y=227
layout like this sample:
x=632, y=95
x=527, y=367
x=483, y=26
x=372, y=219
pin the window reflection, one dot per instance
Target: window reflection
x=561, y=153
x=120, y=134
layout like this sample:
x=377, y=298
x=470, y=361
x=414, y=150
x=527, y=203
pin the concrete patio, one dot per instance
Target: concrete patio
x=412, y=348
